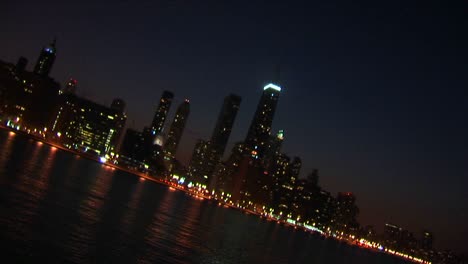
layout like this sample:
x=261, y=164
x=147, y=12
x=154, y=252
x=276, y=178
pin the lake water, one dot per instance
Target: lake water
x=56, y=207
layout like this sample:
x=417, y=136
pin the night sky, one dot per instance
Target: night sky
x=374, y=93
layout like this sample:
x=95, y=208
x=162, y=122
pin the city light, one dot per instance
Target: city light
x=272, y=86
x=258, y=178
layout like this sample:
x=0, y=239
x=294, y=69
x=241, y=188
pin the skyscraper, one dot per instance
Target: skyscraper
x=260, y=128
x=223, y=127
x=87, y=126
x=207, y=155
x=201, y=165
x=177, y=129
x=133, y=145
x=274, y=149
x=346, y=212
x=46, y=60
x=161, y=113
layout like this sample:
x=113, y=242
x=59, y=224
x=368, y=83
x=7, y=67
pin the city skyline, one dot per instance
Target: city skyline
x=344, y=181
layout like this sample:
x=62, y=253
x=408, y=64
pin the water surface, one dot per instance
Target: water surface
x=56, y=207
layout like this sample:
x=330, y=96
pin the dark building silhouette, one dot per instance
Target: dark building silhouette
x=133, y=152
x=207, y=154
x=21, y=65
x=202, y=164
x=133, y=145
x=224, y=172
x=46, y=60
x=138, y=152
x=161, y=113
x=285, y=174
x=143, y=150
x=398, y=238
x=294, y=169
x=345, y=219
x=118, y=105
x=255, y=190
x=427, y=240
x=392, y=236
x=70, y=86
x=223, y=127
x=29, y=100
x=315, y=206
x=273, y=149
x=260, y=128
x=177, y=129
x=368, y=232
x=279, y=173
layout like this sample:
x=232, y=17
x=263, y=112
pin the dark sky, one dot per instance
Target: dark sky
x=374, y=92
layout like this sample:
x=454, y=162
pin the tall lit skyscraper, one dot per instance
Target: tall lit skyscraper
x=177, y=128
x=223, y=127
x=46, y=60
x=201, y=165
x=87, y=126
x=260, y=128
x=161, y=113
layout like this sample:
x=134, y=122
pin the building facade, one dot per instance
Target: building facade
x=176, y=130
x=160, y=115
x=86, y=126
x=46, y=60
x=259, y=131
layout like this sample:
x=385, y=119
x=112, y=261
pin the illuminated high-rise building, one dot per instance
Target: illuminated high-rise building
x=177, y=129
x=87, y=126
x=46, y=60
x=201, y=165
x=161, y=113
x=279, y=173
x=258, y=135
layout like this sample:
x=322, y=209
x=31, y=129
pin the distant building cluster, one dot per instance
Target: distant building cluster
x=33, y=102
x=255, y=175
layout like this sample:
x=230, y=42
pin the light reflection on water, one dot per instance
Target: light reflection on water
x=57, y=207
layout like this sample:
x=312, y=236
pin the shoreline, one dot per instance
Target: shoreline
x=172, y=186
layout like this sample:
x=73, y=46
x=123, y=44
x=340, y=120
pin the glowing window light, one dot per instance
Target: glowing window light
x=272, y=86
